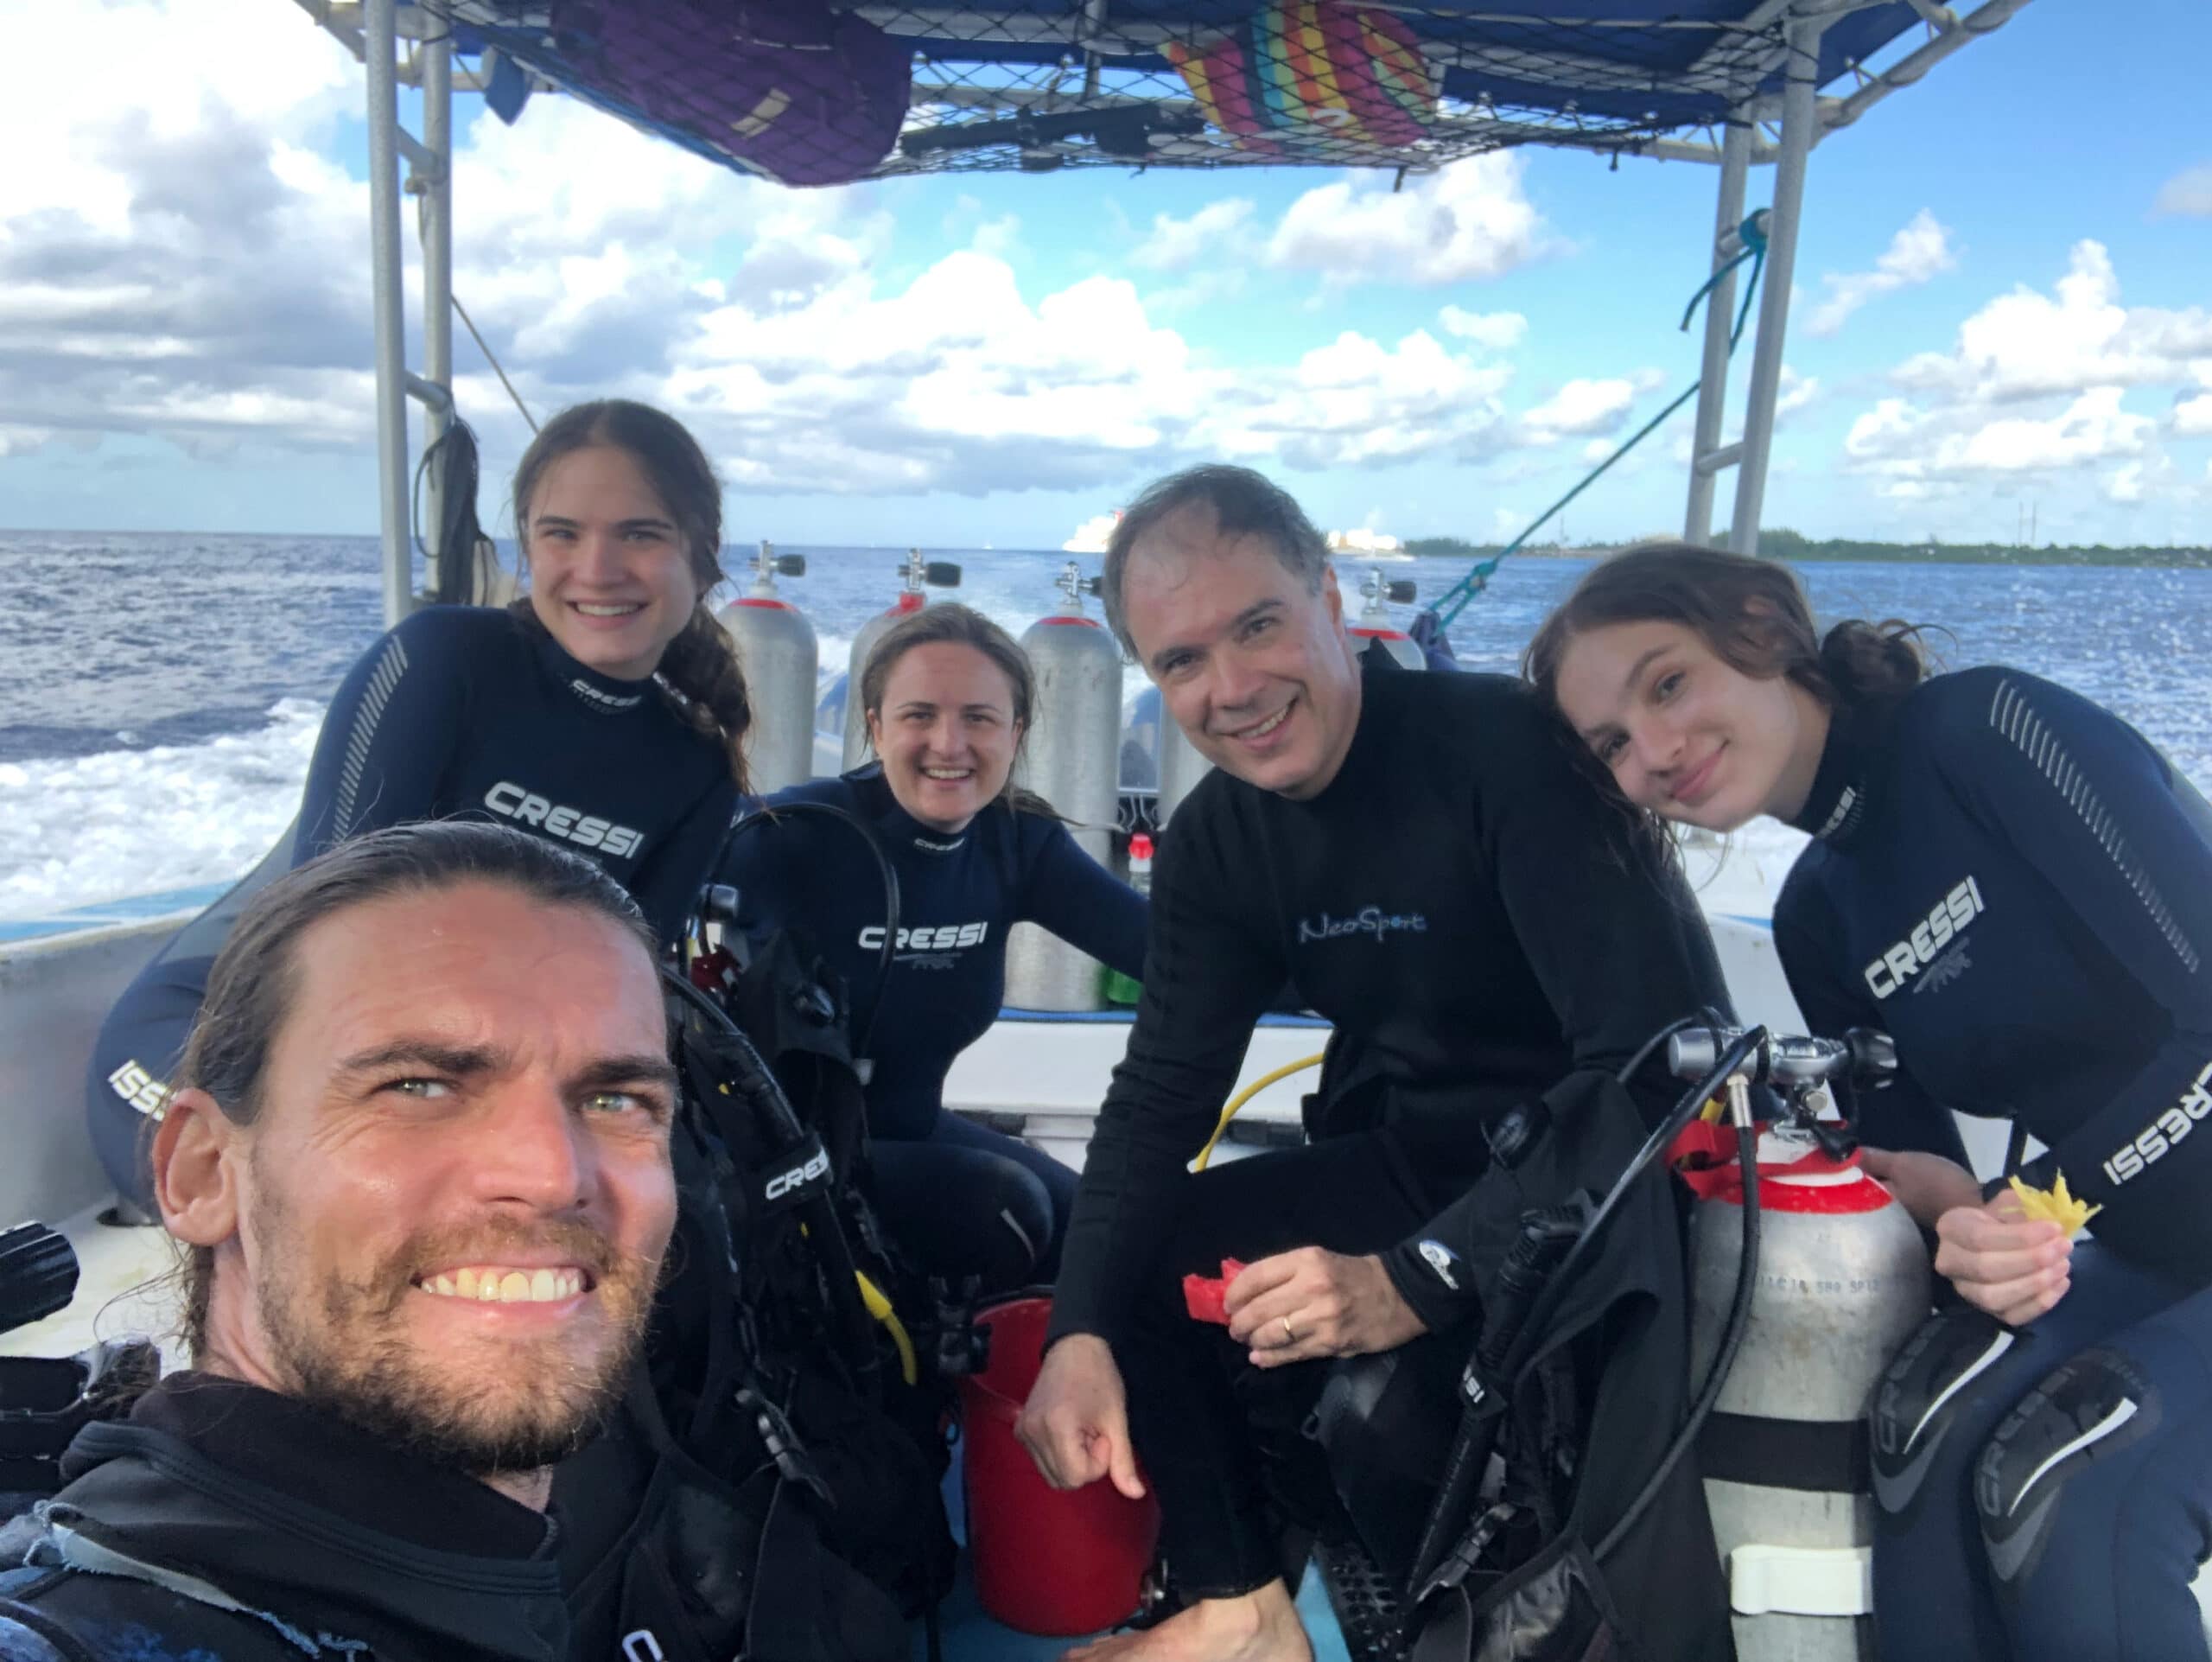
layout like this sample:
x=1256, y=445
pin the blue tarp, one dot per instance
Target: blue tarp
x=990, y=80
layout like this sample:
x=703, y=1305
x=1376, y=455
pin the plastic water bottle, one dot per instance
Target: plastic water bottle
x=1121, y=989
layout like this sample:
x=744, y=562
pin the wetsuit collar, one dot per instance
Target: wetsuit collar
x=902, y=827
x=601, y=693
x=221, y=1490
x=1844, y=787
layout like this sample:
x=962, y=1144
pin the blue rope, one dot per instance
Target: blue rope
x=1754, y=250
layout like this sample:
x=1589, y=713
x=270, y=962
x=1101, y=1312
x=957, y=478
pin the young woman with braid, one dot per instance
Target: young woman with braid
x=604, y=711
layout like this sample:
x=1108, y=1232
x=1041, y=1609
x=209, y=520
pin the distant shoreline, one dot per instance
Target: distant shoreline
x=1785, y=545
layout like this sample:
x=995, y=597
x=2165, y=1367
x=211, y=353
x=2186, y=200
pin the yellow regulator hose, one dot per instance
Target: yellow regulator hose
x=1243, y=1097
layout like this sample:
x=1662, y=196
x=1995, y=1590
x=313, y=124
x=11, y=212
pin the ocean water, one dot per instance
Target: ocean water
x=160, y=694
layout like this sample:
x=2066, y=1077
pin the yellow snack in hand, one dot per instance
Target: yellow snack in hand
x=2053, y=1204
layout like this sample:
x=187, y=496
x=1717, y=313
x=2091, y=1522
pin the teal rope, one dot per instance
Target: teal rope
x=1456, y=598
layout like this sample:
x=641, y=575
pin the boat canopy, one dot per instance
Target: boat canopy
x=1041, y=85
x=815, y=93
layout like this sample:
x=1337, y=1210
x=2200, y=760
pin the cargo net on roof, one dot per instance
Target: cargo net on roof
x=810, y=94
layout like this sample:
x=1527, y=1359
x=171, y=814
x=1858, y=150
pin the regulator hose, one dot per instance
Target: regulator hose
x=1430, y=1558
x=1684, y=1111
x=1221, y=1126
x=1724, y=1359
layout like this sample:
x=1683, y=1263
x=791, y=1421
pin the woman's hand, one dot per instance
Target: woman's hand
x=1998, y=1261
x=2002, y=1262
x=1311, y=1302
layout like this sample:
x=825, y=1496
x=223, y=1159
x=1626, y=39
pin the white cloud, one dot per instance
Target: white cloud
x=1460, y=224
x=1796, y=391
x=1900, y=440
x=1217, y=230
x=1917, y=253
x=1499, y=331
x=188, y=262
x=1581, y=407
x=2036, y=389
x=2188, y=193
x=2192, y=412
x=2026, y=345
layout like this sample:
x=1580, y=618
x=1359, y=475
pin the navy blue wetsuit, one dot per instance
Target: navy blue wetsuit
x=458, y=710
x=958, y=896
x=2017, y=888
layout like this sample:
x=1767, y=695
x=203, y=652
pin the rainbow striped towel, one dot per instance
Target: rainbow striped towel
x=1308, y=72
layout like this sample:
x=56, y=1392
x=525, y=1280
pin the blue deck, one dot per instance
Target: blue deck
x=134, y=908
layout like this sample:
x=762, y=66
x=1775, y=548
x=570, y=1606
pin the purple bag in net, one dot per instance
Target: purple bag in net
x=787, y=88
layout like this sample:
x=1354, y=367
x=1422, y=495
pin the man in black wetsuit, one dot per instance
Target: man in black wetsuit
x=420, y=1159
x=1420, y=855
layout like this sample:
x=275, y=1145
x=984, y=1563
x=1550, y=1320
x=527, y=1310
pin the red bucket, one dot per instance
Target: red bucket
x=1047, y=1561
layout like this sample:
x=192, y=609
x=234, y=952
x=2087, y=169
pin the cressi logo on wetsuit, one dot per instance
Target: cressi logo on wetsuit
x=595, y=699
x=1920, y=949
x=2155, y=1141
x=939, y=938
x=570, y=825
x=1370, y=920
x=138, y=1087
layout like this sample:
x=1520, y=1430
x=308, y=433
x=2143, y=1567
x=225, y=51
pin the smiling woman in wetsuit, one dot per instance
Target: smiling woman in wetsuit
x=2016, y=886
x=604, y=711
x=949, y=696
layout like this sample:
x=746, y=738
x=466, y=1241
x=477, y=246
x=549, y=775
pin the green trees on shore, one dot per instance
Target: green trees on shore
x=1779, y=541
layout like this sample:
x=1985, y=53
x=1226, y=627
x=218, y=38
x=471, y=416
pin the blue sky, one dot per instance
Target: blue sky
x=2002, y=299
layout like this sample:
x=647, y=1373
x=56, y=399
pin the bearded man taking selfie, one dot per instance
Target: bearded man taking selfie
x=419, y=1157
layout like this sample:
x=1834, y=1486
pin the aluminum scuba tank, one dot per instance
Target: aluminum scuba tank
x=776, y=649
x=1181, y=766
x=1374, y=622
x=1071, y=756
x=918, y=577
x=1842, y=1280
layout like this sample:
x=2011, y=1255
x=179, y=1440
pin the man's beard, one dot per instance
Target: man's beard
x=343, y=1346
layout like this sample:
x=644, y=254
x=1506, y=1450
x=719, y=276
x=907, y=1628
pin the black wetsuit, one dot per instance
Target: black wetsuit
x=948, y=1190
x=223, y=1520
x=2017, y=888
x=458, y=710
x=1483, y=929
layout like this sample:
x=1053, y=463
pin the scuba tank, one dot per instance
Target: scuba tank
x=1842, y=1280
x=775, y=648
x=1374, y=624
x=1181, y=766
x=918, y=577
x=1071, y=756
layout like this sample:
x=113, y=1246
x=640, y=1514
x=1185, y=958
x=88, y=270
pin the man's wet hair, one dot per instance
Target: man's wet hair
x=250, y=988
x=1244, y=503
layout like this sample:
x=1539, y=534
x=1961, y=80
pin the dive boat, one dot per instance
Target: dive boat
x=1040, y=86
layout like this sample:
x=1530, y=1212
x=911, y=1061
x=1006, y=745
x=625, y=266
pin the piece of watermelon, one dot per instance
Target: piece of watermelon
x=1203, y=1295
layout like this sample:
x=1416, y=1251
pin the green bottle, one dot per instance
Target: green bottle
x=1121, y=989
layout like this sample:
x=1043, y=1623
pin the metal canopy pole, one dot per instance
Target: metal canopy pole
x=434, y=184
x=380, y=38
x=1799, y=117
x=1720, y=316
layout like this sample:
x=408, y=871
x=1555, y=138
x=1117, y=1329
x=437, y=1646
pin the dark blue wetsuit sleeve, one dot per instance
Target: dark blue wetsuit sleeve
x=1629, y=954
x=1899, y=1114
x=667, y=889
x=390, y=733
x=2128, y=847
x=1084, y=904
x=1208, y=977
